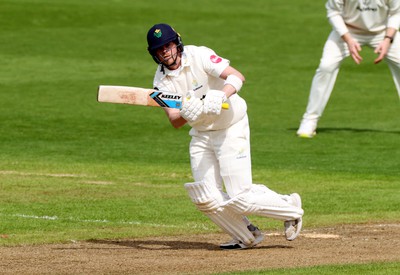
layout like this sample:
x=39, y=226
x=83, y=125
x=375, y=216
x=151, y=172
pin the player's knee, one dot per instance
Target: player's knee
x=205, y=197
x=327, y=67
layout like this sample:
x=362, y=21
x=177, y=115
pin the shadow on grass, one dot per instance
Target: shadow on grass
x=354, y=130
x=171, y=245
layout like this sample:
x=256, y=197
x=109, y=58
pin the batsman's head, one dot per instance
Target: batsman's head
x=162, y=37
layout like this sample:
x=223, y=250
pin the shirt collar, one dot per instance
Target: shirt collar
x=185, y=62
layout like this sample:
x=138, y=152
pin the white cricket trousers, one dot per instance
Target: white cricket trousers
x=335, y=51
x=222, y=158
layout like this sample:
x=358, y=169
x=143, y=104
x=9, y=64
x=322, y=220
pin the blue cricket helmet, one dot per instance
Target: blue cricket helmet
x=159, y=35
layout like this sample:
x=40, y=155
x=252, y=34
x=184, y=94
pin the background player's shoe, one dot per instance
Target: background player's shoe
x=293, y=227
x=307, y=128
x=236, y=244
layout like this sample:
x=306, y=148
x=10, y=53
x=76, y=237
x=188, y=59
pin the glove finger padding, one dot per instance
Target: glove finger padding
x=192, y=108
x=213, y=102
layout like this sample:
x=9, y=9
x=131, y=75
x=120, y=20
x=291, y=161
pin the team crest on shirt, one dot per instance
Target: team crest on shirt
x=195, y=85
x=215, y=59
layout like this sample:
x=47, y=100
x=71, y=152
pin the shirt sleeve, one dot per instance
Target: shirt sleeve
x=212, y=63
x=334, y=10
x=394, y=14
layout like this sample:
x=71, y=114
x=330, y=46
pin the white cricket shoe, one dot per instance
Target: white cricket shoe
x=307, y=128
x=293, y=227
x=236, y=244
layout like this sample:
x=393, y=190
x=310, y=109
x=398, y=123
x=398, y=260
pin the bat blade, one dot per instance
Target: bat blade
x=138, y=96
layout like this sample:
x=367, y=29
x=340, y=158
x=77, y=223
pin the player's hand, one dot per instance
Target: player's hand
x=355, y=49
x=382, y=50
x=213, y=102
x=192, y=108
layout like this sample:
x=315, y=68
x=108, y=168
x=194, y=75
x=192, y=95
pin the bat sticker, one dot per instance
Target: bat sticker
x=167, y=100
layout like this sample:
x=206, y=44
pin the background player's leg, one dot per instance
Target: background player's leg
x=335, y=50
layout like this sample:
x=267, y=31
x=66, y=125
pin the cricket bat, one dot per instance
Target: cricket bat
x=141, y=96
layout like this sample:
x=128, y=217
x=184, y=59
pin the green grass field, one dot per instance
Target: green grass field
x=74, y=169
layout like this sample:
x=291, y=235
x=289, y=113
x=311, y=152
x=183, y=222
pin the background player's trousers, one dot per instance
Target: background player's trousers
x=335, y=51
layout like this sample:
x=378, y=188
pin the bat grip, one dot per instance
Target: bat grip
x=224, y=106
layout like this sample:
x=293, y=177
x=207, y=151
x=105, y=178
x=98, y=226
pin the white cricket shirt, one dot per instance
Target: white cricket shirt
x=363, y=16
x=199, y=72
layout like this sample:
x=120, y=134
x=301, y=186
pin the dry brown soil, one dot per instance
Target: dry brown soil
x=200, y=254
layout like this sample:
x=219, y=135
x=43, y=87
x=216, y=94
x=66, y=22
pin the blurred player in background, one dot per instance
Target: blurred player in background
x=355, y=23
x=220, y=145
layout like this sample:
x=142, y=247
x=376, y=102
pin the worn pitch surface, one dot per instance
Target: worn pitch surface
x=199, y=254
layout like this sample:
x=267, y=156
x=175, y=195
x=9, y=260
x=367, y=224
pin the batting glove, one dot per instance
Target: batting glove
x=192, y=108
x=213, y=102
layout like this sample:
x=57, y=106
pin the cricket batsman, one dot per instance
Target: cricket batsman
x=220, y=139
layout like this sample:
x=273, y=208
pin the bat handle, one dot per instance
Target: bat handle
x=225, y=106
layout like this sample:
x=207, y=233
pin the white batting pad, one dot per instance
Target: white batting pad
x=208, y=199
x=262, y=201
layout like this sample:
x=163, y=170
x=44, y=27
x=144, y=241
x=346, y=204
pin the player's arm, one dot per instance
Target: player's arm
x=384, y=45
x=334, y=11
x=214, y=99
x=233, y=81
x=175, y=118
x=393, y=24
x=354, y=47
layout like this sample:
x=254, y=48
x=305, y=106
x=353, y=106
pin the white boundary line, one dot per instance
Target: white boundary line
x=86, y=179
x=6, y=172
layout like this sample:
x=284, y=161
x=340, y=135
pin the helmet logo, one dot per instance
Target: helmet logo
x=157, y=33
